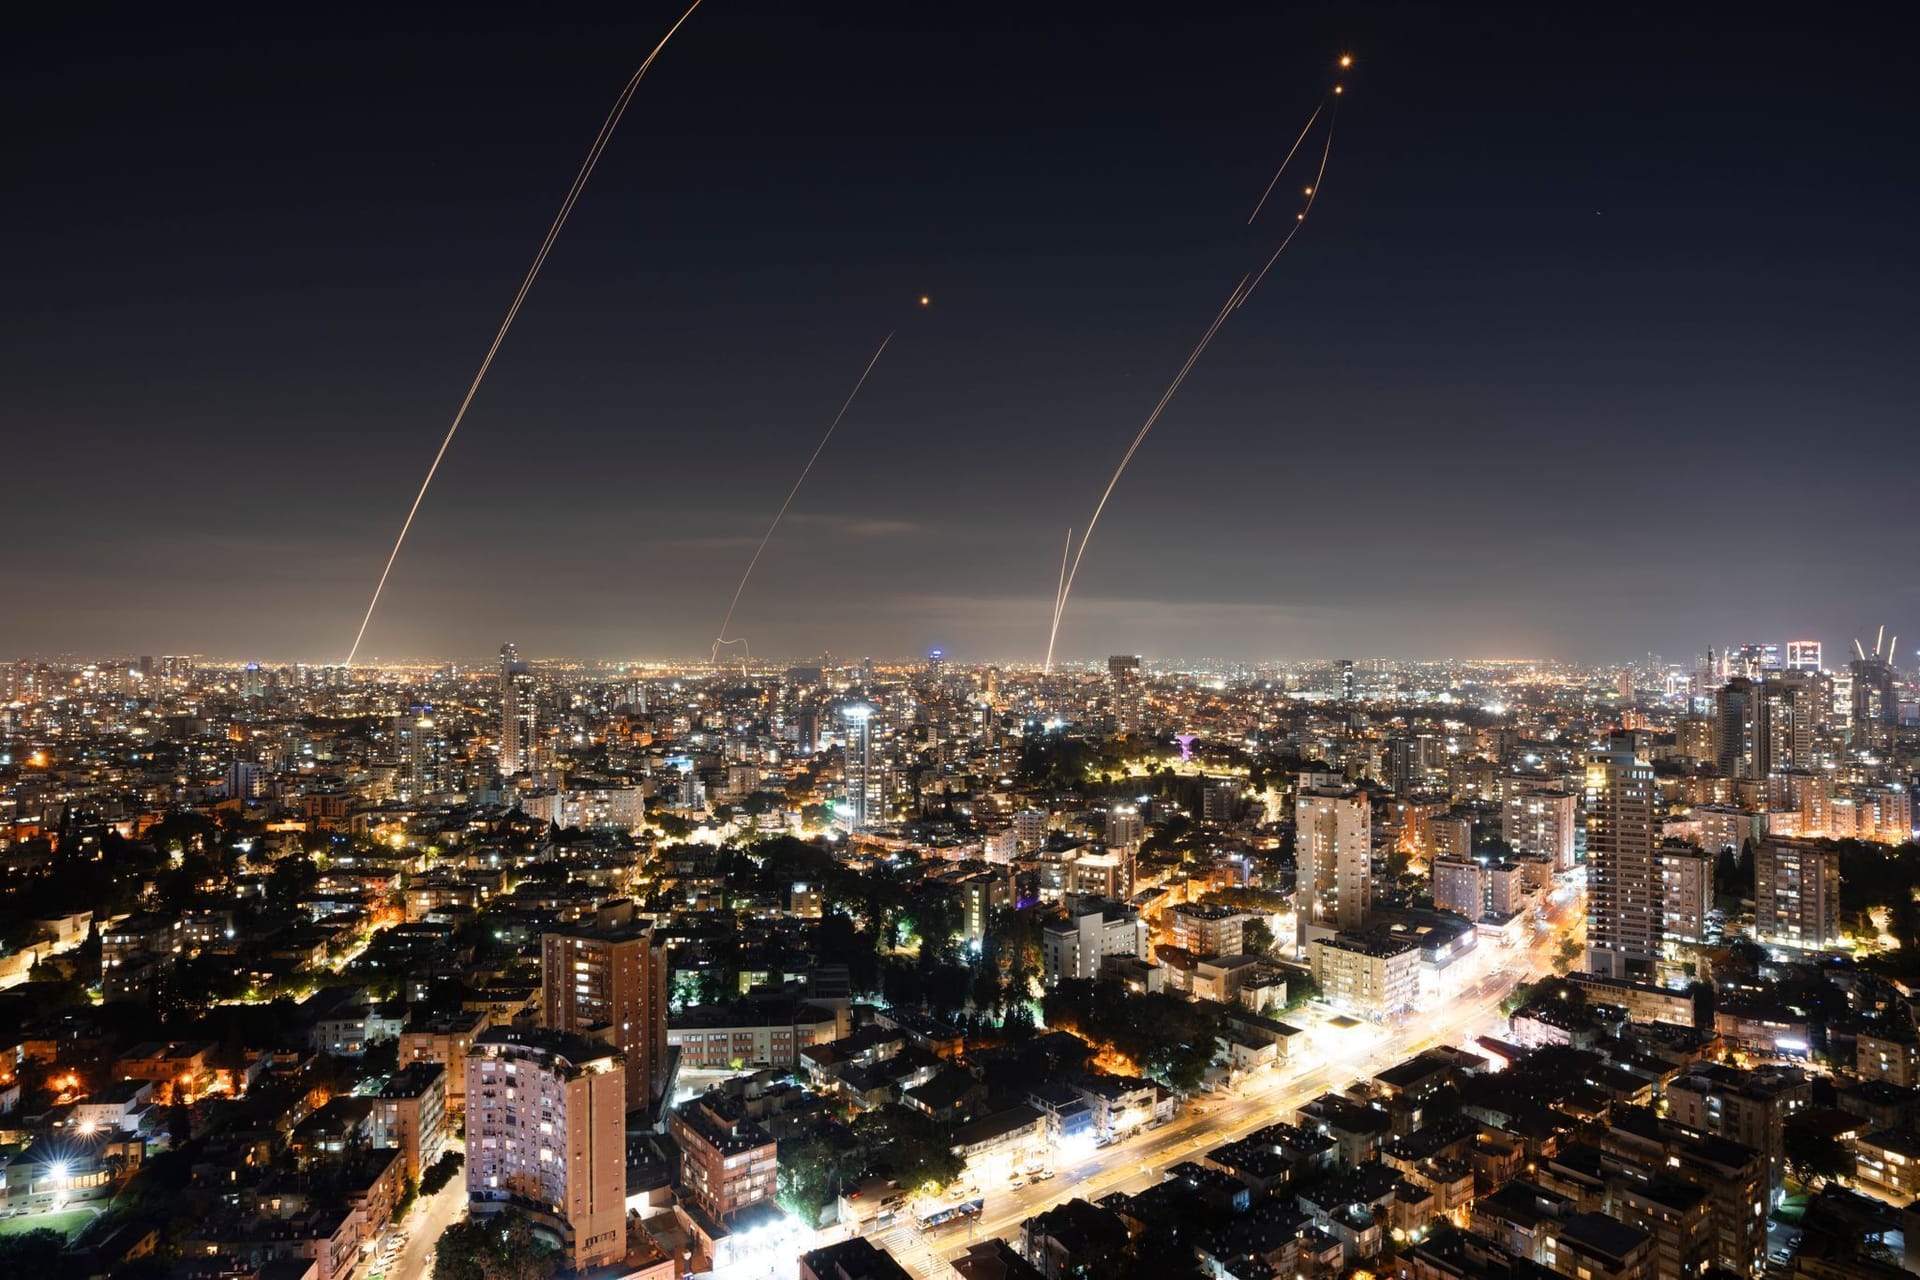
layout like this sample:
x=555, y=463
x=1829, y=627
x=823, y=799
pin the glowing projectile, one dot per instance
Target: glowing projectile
x=607, y=127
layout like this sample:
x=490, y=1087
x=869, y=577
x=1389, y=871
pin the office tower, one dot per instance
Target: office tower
x=1346, y=679
x=1123, y=674
x=1543, y=822
x=1796, y=893
x=1737, y=736
x=1333, y=855
x=608, y=977
x=863, y=798
x=1754, y=660
x=1803, y=655
x=516, y=713
x=1623, y=885
x=547, y=1135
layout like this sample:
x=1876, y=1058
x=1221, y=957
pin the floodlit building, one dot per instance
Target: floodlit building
x=1373, y=977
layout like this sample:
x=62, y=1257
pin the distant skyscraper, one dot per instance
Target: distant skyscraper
x=1346, y=679
x=862, y=790
x=1737, y=735
x=1876, y=705
x=1123, y=673
x=1333, y=857
x=1803, y=655
x=1624, y=896
x=516, y=713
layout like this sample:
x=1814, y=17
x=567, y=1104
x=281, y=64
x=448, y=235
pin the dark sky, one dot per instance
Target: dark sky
x=1601, y=338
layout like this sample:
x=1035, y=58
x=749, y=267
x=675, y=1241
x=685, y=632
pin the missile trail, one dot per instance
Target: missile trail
x=1060, y=590
x=600, y=141
x=766, y=537
x=1166, y=397
x=1284, y=163
x=1313, y=193
x=1235, y=300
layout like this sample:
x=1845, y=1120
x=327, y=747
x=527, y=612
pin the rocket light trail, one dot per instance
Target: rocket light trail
x=1235, y=300
x=1061, y=589
x=1284, y=163
x=721, y=640
x=607, y=126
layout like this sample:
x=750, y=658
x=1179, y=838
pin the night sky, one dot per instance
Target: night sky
x=1600, y=340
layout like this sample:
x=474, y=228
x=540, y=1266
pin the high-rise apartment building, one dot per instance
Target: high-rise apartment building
x=1124, y=677
x=517, y=726
x=1333, y=856
x=1796, y=893
x=1624, y=895
x=1125, y=827
x=1545, y=822
x=861, y=782
x=1793, y=707
x=1686, y=893
x=609, y=978
x=547, y=1134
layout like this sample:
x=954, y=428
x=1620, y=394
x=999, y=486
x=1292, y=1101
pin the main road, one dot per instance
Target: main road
x=1138, y=1163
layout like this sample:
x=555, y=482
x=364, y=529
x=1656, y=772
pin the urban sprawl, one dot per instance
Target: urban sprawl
x=855, y=970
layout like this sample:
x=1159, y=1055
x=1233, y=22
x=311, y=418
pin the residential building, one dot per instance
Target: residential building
x=546, y=1133
x=1333, y=851
x=1371, y=976
x=1543, y=821
x=1094, y=929
x=1686, y=893
x=727, y=1161
x=609, y=977
x=1796, y=893
x=410, y=1112
x=1624, y=902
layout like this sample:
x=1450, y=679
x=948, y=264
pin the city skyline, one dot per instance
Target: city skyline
x=1568, y=289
